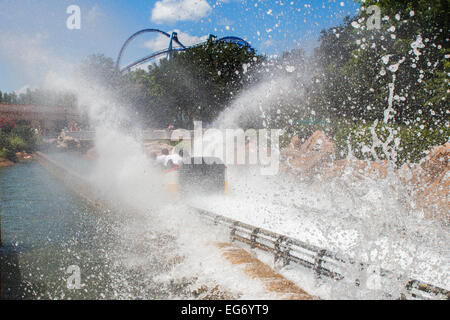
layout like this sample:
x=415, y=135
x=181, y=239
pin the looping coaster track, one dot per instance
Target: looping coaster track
x=173, y=37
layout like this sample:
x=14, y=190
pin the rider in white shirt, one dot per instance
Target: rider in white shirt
x=175, y=158
x=162, y=159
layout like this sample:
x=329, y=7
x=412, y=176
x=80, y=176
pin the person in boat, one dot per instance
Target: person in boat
x=169, y=161
x=162, y=159
x=174, y=159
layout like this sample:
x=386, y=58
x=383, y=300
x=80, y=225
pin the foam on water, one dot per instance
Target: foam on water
x=361, y=219
x=151, y=227
x=371, y=220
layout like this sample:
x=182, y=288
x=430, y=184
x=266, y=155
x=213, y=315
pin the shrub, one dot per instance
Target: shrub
x=12, y=143
x=16, y=143
x=6, y=125
x=408, y=144
x=17, y=139
x=28, y=136
x=10, y=154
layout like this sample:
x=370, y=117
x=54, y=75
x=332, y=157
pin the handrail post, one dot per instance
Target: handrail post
x=233, y=231
x=253, y=237
x=279, y=253
x=318, y=262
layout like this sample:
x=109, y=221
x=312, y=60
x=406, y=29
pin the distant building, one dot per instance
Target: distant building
x=45, y=118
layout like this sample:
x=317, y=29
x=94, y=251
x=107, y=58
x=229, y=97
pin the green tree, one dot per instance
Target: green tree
x=356, y=64
x=195, y=84
x=97, y=68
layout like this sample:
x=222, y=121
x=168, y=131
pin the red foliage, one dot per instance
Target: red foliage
x=6, y=124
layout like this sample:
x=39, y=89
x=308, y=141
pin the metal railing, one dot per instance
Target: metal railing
x=322, y=262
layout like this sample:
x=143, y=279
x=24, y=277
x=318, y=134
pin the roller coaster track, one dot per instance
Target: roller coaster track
x=168, y=52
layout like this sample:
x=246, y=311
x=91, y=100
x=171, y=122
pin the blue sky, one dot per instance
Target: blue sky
x=34, y=38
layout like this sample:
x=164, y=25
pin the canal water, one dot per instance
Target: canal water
x=49, y=235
